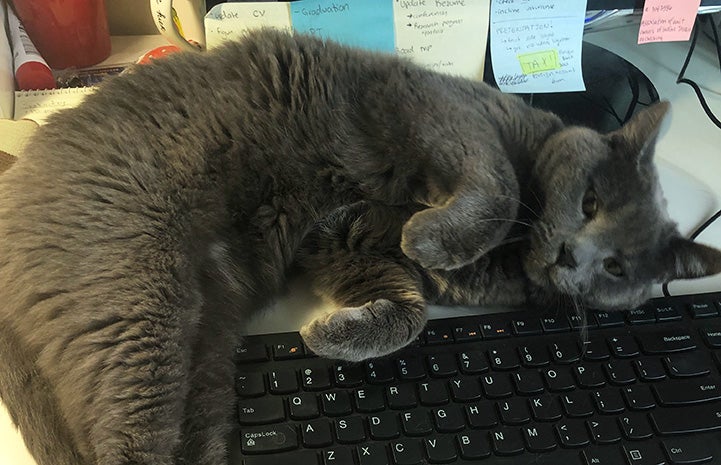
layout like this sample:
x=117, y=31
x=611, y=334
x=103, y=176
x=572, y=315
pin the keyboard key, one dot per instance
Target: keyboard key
x=283, y=381
x=694, y=419
x=473, y=445
x=416, y=423
x=572, y=433
x=350, y=430
x=465, y=389
x=565, y=352
x=250, y=385
x=619, y=372
x=401, y=397
x=638, y=397
x=623, y=346
x=291, y=348
x=407, y=452
x=666, y=342
x=610, y=319
x=528, y=383
x=379, y=371
x=641, y=316
x=411, y=369
x=306, y=457
x=440, y=449
x=481, y=415
x=507, y=441
x=433, y=393
x=251, y=351
x=371, y=454
x=712, y=337
x=442, y=365
x=334, y=456
x=369, y=399
x=559, y=379
x=577, y=404
x=315, y=379
x=514, y=411
x=534, y=356
x=589, y=376
x=581, y=322
x=472, y=362
x=688, y=365
x=268, y=439
x=555, y=324
x=687, y=450
x=685, y=392
x=545, y=408
x=466, y=333
x=346, y=376
x=438, y=335
x=649, y=369
x=448, y=419
x=384, y=426
x=316, y=433
x=603, y=430
x=527, y=327
x=667, y=313
x=608, y=401
x=598, y=455
x=495, y=329
x=503, y=359
x=702, y=310
x=539, y=438
x=336, y=403
x=643, y=454
x=260, y=411
x=496, y=386
x=635, y=427
x=303, y=406
x=594, y=350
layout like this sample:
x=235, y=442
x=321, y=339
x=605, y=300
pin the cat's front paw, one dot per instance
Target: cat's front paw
x=360, y=333
x=435, y=244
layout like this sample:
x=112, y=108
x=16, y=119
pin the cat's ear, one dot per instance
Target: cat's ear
x=638, y=136
x=693, y=260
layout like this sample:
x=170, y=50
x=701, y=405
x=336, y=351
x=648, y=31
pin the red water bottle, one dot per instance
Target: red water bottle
x=67, y=33
x=31, y=70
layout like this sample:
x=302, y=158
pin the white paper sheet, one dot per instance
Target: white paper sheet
x=536, y=45
x=228, y=21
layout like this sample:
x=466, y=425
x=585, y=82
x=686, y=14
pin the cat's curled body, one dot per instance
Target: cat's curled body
x=140, y=230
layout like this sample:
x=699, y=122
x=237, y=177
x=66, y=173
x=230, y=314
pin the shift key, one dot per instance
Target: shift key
x=693, y=419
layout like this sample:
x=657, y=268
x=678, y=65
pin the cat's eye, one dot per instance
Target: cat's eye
x=612, y=266
x=589, y=205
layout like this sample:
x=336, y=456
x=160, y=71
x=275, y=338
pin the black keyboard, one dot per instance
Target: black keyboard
x=641, y=387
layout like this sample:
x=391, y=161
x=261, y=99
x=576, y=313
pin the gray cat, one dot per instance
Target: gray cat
x=590, y=231
x=140, y=231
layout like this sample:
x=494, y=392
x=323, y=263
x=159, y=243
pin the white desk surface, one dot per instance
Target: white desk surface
x=688, y=154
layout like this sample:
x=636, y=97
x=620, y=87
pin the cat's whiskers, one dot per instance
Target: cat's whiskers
x=521, y=203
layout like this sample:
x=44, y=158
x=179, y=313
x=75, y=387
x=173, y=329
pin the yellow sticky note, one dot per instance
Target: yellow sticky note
x=538, y=62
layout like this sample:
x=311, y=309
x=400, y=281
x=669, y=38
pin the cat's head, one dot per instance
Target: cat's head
x=604, y=236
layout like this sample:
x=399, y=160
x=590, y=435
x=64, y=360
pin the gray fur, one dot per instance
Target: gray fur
x=355, y=259
x=141, y=230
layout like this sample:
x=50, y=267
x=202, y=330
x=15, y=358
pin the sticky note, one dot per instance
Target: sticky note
x=360, y=23
x=228, y=21
x=444, y=35
x=667, y=20
x=536, y=45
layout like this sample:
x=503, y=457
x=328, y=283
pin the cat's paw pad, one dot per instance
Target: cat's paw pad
x=355, y=333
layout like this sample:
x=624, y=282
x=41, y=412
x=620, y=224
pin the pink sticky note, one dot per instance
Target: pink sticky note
x=667, y=20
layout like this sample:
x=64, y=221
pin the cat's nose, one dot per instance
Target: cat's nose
x=565, y=256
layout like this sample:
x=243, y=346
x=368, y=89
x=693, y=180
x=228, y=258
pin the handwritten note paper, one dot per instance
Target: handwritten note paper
x=360, y=23
x=228, y=21
x=38, y=105
x=445, y=35
x=667, y=21
x=536, y=45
